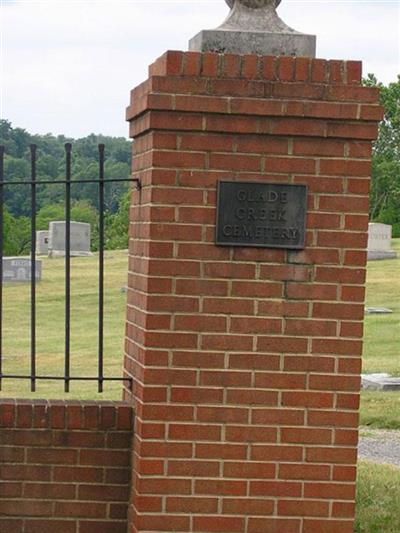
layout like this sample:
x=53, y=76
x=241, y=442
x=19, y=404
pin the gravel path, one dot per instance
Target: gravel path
x=380, y=446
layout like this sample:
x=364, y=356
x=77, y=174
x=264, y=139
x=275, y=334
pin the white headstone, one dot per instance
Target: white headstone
x=80, y=239
x=379, y=241
x=42, y=242
x=18, y=270
x=380, y=382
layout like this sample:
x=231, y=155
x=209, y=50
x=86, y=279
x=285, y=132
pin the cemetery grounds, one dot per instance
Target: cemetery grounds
x=378, y=493
x=378, y=498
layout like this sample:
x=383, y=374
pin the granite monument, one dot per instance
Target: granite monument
x=379, y=242
x=18, y=270
x=80, y=239
x=42, y=242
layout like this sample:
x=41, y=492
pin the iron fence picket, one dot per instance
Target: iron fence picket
x=33, y=267
x=1, y=256
x=67, y=356
x=101, y=268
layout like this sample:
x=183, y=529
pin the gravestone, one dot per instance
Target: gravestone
x=18, y=270
x=382, y=381
x=378, y=311
x=42, y=242
x=379, y=242
x=80, y=239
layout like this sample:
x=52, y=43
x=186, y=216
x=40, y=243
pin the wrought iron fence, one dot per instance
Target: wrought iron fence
x=68, y=183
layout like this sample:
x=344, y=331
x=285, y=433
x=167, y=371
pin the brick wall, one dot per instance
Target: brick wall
x=64, y=467
x=246, y=362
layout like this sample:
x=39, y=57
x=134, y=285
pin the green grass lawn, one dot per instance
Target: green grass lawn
x=380, y=410
x=382, y=341
x=381, y=347
x=382, y=332
x=378, y=499
x=50, y=327
x=378, y=496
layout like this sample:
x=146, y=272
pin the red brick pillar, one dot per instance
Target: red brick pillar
x=246, y=361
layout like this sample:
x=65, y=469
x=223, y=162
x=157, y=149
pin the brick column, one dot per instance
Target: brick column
x=246, y=361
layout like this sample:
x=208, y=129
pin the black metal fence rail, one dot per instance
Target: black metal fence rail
x=33, y=183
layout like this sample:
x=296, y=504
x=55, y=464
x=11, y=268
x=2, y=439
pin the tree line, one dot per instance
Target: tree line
x=385, y=190
x=50, y=167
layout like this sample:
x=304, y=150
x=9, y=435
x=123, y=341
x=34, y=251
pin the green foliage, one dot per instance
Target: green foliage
x=16, y=197
x=117, y=225
x=17, y=234
x=49, y=213
x=80, y=212
x=51, y=166
x=15, y=140
x=385, y=192
x=50, y=197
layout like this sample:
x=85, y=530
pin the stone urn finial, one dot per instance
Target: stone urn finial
x=255, y=4
x=254, y=27
x=255, y=15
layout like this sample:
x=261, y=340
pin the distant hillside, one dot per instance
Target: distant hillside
x=51, y=166
x=50, y=197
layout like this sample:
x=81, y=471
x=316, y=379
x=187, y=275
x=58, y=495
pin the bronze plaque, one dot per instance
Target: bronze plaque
x=266, y=215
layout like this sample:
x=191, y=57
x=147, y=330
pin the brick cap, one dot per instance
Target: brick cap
x=267, y=67
x=68, y=414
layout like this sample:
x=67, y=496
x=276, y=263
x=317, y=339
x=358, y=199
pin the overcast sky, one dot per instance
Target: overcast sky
x=68, y=66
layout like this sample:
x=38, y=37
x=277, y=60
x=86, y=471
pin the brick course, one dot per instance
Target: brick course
x=64, y=466
x=246, y=361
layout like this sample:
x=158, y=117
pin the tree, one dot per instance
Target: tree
x=50, y=197
x=49, y=213
x=17, y=234
x=385, y=191
x=17, y=197
x=118, y=225
x=6, y=137
x=50, y=166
